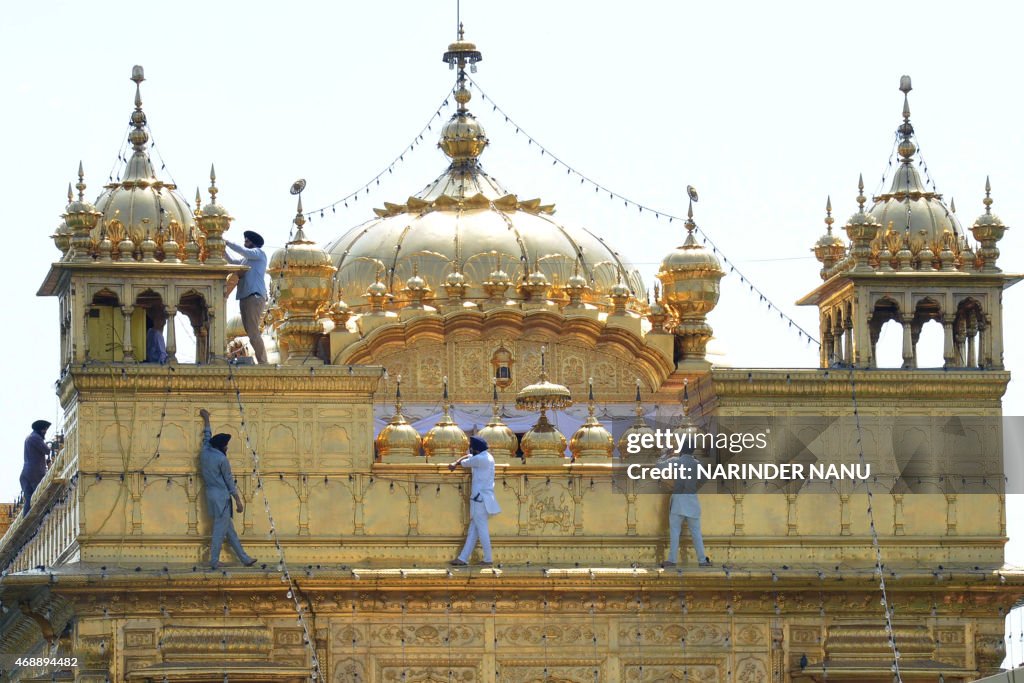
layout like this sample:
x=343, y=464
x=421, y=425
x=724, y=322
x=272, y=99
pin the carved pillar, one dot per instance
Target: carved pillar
x=908, y=343
x=737, y=519
x=172, y=340
x=126, y=341
x=837, y=348
x=989, y=357
x=948, y=356
x=826, y=346
x=982, y=341
x=85, y=336
x=972, y=358
x=848, y=342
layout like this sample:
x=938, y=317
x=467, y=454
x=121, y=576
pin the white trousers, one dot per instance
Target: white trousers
x=675, y=527
x=478, y=530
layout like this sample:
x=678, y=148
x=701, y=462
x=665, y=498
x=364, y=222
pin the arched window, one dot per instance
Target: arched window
x=193, y=322
x=886, y=329
x=927, y=334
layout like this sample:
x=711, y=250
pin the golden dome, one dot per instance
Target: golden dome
x=501, y=440
x=301, y=269
x=139, y=202
x=445, y=440
x=543, y=440
x=398, y=438
x=591, y=440
x=467, y=221
x=690, y=276
x=234, y=327
x=619, y=290
x=988, y=219
x=909, y=204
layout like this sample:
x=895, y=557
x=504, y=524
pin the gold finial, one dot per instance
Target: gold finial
x=299, y=221
x=139, y=136
x=828, y=214
x=444, y=396
x=213, y=185
x=71, y=195
x=459, y=54
x=398, y=394
x=543, y=365
x=80, y=185
x=987, y=201
x=860, y=192
x=906, y=129
x=691, y=192
x=590, y=390
x=952, y=205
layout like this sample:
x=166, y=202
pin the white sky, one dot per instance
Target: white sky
x=765, y=107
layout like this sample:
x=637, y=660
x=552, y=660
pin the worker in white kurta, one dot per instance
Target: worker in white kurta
x=685, y=506
x=482, y=501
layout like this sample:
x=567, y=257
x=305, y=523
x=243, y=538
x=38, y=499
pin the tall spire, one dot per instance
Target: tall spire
x=462, y=138
x=459, y=54
x=906, y=129
x=139, y=166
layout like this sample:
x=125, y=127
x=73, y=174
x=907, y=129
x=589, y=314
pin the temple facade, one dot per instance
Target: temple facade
x=465, y=309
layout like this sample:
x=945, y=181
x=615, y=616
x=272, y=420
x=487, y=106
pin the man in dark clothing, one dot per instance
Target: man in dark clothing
x=220, y=489
x=36, y=450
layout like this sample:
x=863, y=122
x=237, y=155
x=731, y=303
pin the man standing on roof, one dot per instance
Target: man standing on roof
x=252, y=288
x=36, y=450
x=482, y=502
x=220, y=489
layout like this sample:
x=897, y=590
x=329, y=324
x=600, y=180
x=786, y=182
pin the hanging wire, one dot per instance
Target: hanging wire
x=121, y=159
x=282, y=566
x=879, y=566
x=657, y=213
x=375, y=180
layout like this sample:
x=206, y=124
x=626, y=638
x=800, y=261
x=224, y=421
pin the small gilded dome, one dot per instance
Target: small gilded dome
x=591, y=440
x=502, y=442
x=416, y=283
x=537, y=279
x=829, y=240
x=499, y=277
x=234, y=327
x=988, y=219
x=454, y=279
x=577, y=281
x=543, y=440
x=619, y=290
x=691, y=257
x=445, y=440
x=398, y=438
x=377, y=288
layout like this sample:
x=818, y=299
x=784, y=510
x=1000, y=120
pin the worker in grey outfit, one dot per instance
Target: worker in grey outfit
x=252, y=288
x=685, y=506
x=220, y=489
x=32, y=472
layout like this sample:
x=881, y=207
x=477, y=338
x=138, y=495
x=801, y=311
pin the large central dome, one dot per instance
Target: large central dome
x=466, y=229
